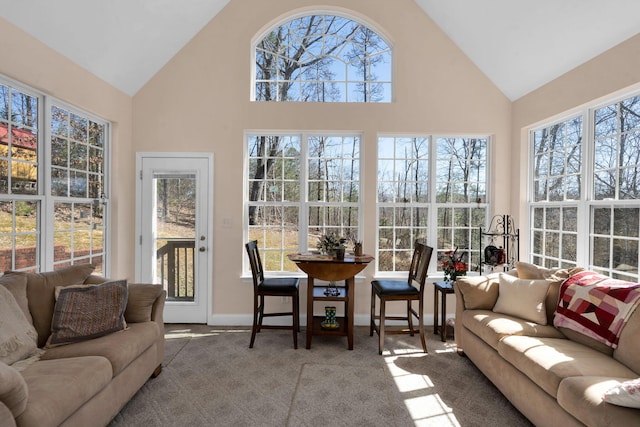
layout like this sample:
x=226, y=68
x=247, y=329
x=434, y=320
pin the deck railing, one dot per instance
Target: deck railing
x=176, y=268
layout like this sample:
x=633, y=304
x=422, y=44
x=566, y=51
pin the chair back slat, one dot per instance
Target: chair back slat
x=255, y=262
x=420, y=263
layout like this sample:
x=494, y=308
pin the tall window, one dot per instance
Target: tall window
x=66, y=207
x=322, y=58
x=572, y=199
x=419, y=177
x=20, y=132
x=299, y=187
x=557, y=189
x=616, y=189
x=77, y=182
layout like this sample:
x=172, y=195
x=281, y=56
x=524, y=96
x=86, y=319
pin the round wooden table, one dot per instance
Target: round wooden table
x=327, y=268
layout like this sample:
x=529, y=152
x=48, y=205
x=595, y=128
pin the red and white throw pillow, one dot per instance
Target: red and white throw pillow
x=624, y=394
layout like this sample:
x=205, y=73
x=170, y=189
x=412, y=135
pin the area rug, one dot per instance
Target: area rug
x=327, y=395
x=210, y=377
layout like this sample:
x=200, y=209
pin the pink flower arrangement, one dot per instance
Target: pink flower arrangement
x=453, y=266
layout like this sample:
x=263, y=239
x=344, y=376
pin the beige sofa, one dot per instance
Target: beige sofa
x=84, y=383
x=554, y=376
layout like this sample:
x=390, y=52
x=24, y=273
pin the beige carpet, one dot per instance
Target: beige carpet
x=340, y=393
x=212, y=378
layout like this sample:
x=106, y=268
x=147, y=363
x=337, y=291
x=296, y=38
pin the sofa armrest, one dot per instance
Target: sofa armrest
x=145, y=303
x=458, y=323
x=95, y=279
x=13, y=392
x=473, y=293
x=6, y=418
x=157, y=310
x=478, y=292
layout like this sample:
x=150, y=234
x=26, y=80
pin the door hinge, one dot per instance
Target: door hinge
x=141, y=239
x=140, y=174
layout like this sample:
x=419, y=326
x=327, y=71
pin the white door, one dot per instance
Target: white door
x=174, y=226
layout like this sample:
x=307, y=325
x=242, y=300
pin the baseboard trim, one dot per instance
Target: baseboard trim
x=247, y=320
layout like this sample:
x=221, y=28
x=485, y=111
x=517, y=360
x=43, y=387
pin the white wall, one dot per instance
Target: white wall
x=200, y=102
x=615, y=71
x=30, y=62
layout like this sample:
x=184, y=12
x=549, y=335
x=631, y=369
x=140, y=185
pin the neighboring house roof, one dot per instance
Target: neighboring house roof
x=22, y=138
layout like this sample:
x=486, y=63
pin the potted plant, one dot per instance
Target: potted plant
x=329, y=243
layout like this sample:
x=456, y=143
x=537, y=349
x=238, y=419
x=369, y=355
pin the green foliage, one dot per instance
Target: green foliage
x=25, y=208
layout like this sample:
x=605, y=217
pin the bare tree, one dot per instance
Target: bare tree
x=277, y=59
x=360, y=54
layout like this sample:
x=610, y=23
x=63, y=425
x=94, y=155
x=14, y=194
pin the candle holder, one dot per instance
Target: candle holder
x=332, y=290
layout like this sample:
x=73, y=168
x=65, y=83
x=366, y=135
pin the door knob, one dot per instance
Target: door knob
x=202, y=249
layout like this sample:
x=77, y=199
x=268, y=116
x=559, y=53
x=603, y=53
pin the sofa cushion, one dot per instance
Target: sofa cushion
x=526, y=270
x=522, y=298
x=17, y=285
x=62, y=386
x=40, y=293
x=120, y=348
x=17, y=336
x=492, y=327
x=479, y=292
x=88, y=311
x=582, y=398
x=531, y=271
x=555, y=277
x=585, y=340
x=13, y=389
x=140, y=302
x=547, y=361
x=629, y=344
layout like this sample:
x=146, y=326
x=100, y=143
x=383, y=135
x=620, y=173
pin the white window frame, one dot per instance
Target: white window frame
x=303, y=204
x=545, y=258
x=587, y=201
x=434, y=206
x=323, y=12
x=45, y=220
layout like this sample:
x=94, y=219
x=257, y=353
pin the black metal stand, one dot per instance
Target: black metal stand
x=502, y=240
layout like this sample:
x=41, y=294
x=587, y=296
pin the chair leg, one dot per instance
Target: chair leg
x=409, y=317
x=254, y=327
x=381, y=338
x=298, y=309
x=421, y=325
x=373, y=312
x=260, y=312
x=296, y=320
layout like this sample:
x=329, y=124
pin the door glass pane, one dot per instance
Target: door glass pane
x=175, y=234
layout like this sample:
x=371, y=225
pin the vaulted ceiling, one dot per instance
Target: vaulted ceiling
x=520, y=45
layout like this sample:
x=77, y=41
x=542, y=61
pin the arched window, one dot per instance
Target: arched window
x=322, y=58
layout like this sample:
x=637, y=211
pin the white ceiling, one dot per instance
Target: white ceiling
x=519, y=44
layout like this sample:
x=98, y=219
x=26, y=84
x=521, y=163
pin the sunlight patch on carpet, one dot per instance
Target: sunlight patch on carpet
x=430, y=410
x=422, y=401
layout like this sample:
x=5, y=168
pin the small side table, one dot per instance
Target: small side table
x=444, y=288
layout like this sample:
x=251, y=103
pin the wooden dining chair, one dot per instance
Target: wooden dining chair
x=401, y=290
x=277, y=286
